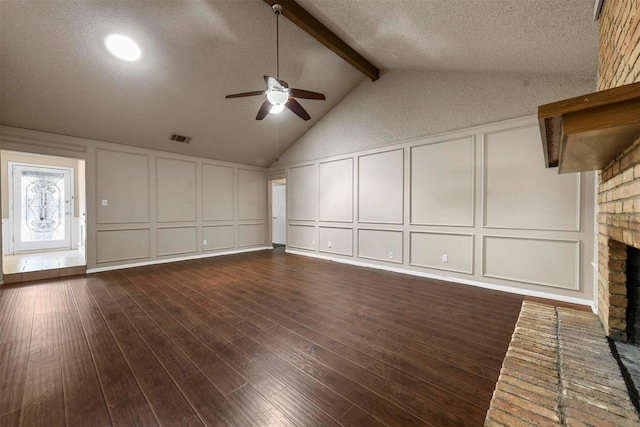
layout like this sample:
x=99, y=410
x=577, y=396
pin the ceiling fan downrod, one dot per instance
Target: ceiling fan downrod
x=277, y=9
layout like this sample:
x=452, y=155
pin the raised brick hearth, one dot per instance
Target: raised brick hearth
x=619, y=188
x=559, y=371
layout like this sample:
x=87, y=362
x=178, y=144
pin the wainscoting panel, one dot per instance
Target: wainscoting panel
x=176, y=190
x=302, y=185
x=547, y=262
x=122, y=245
x=250, y=235
x=217, y=193
x=336, y=191
x=519, y=192
x=115, y=171
x=442, y=183
x=177, y=240
x=381, y=245
x=252, y=196
x=218, y=237
x=302, y=236
x=381, y=187
x=335, y=240
x=442, y=251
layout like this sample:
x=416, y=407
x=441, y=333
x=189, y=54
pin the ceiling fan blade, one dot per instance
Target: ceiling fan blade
x=306, y=94
x=297, y=109
x=271, y=82
x=240, y=95
x=264, y=110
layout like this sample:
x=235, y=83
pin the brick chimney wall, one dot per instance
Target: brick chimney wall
x=619, y=188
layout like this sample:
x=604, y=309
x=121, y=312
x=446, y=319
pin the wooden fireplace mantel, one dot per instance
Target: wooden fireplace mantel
x=587, y=132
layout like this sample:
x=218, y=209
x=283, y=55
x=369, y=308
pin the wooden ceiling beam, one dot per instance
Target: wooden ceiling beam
x=303, y=19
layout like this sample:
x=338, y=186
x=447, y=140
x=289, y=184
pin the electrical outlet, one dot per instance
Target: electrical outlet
x=313, y=242
x=329, y=244
x=204, y=242
x=104, y=202
x=390, y=255
x=445, y=258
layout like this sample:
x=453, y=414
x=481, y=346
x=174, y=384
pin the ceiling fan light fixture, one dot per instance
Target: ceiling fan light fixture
x=277, y=109
x=277, y=97
x=278, y=93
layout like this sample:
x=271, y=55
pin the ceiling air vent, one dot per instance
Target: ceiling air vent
x=180, y=138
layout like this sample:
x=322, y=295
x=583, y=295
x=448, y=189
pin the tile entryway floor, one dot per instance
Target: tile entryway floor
x=37, y=261
x=42, y=265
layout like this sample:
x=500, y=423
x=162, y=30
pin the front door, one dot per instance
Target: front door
x=42, y=203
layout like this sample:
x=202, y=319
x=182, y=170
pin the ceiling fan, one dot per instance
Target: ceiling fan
x=278, y=93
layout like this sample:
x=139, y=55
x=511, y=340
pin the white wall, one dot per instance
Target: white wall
x=403, y=105
x=481, y=196
x=159, y=206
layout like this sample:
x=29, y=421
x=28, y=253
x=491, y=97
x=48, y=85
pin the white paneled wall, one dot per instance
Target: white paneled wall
x=555, y=263
x=303, y=187
x=122, y=245
x=427, y=249
x=146, y=206
x=175, y=190
x=336, y=191
x=380, y=187
x=336, y=240
x=250, y=235
x=217, y=193
x=302, y=236
x=252, y=196
x=443, y=183
x=518, y=192
x=218, y=237
x=382, y=245
x=177, y=240
x=475, y=206
x=115, y=171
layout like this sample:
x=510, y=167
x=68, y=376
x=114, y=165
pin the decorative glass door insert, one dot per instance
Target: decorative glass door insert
x=41, y=207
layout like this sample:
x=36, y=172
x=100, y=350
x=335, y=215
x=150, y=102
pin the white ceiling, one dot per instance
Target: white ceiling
x=56, y=76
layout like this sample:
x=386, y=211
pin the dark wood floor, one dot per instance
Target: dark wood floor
x=259, y=339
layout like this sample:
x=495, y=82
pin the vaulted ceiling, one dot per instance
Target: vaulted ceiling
x=56, y=75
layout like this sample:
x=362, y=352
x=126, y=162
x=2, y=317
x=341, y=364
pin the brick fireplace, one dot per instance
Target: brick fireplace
x=619, y=182
x=559, y=368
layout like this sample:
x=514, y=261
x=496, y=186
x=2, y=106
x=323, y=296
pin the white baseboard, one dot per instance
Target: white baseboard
x=168, y=260
x=492, y=286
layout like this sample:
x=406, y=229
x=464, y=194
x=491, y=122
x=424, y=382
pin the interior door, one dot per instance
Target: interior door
x=278, y=209
x=41, y=207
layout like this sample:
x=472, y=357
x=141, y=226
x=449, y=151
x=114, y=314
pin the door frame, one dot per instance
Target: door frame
x=11, y=200
x=270, y=181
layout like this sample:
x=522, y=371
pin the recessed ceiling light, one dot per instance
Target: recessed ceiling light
x=122, y=47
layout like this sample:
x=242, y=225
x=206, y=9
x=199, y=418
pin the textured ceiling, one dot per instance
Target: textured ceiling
x=511, y=36
x=56, y=76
